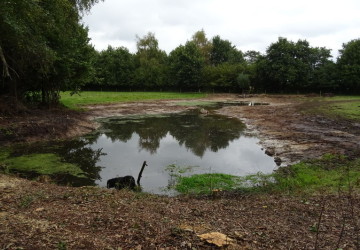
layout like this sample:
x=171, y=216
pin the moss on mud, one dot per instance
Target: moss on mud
x=43, y=164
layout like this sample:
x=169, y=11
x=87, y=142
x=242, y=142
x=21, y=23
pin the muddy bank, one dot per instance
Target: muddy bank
x=43, y=125
x=290, y=132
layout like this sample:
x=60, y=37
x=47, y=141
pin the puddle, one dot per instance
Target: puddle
x=177, y=144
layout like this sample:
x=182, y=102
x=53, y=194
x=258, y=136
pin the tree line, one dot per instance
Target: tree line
x=45, y=49
x=215, y=64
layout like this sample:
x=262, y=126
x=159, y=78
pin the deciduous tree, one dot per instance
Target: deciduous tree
x=349, y=66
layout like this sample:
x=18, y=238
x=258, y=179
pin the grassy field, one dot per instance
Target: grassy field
x=95, y=97
x=347, y=107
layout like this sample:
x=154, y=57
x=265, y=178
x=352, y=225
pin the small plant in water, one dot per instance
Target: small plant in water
x=176, y=170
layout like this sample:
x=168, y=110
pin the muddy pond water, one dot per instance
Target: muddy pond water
x=177, y=144
x=182, y=144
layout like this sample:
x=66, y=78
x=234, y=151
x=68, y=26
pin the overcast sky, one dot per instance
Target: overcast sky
x=249, y=25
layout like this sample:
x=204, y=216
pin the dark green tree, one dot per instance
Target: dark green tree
x=115, y=68
x=349, y=66
x=43, y=47
x=290, y=66
x=224, y=52
x=185, y=67
x=252, y=56
x=150, y=63
x=223, y=77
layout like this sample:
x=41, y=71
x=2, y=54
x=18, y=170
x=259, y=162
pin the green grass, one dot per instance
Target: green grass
x=341, y=107
x=329, y=174
x=94, y=97
x=349, y=109
x=44, y=164
x=206, y=183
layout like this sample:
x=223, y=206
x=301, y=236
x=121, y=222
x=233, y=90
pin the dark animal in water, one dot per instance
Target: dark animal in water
x=122, y=182
x=126, y=181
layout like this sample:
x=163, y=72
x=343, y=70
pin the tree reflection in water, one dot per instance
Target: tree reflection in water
x=196, y=132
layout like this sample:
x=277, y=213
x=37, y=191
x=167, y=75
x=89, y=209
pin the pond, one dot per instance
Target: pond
x=192, y=142
x=174, y=144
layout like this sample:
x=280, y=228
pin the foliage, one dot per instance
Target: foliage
x=223, y=51
x=185, y=67
x=349, y=66
x=292, y=66
x=115, y=67
x=43, y=47
x=204, y=45
x=150, y=64
x=223, y=77
x=216, y=65
x=243, y=81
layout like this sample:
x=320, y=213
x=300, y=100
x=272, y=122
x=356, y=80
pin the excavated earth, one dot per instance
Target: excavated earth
x=41, y=215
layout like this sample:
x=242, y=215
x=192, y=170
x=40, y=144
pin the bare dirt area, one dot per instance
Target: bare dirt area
x=36, y=215
x=44, y=216
x=290, y=133
x=39, y=125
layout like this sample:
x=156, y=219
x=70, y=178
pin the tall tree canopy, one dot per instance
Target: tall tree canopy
x=290, y=66
x=185, y=67
x=115, y=68
x=43, y=47
x=150, y=63
x=203, y=44
x=223, y=51
x=349, y=66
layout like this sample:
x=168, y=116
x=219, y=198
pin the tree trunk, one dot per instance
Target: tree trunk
x=6, y=72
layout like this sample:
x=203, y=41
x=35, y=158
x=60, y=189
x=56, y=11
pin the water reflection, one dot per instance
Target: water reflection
x=209, y=143
x=196, y=132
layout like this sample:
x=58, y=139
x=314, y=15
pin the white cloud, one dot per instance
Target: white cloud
x=248, y=25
